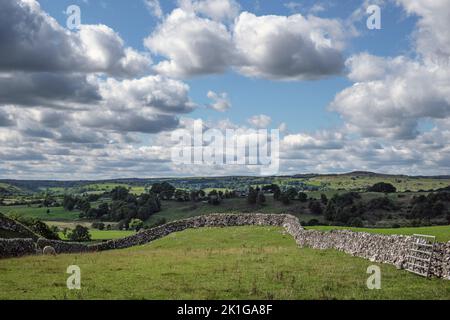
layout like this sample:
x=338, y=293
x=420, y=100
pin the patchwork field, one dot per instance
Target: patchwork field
x=231, y=263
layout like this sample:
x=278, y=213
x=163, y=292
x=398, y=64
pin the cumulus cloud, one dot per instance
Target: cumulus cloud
x=392, y=96
x=289, y=48
x=260, y=121
x=219, y=10
x=193, y=45
x=154, y=7
x=48, y=89
x=33, y=41
x=432, y=40
x=220, y=101
x=274, y=47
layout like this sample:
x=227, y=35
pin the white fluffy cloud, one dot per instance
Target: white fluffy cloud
x=220, y=101
x=392, y=95
x=33, y=41
x=289, y=48
x=193, y=45
x=219, y=10
x=432, y=40
x=260, y=121
x=273, y=47
x=154, y=7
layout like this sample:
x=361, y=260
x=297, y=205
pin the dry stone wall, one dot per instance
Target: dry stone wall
x=391, y=249
x=16, y=247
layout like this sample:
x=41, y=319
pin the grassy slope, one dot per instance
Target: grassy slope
x=231, y=263
x=442, y=233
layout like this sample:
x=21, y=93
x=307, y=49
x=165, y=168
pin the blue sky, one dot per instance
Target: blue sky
x=106, y=99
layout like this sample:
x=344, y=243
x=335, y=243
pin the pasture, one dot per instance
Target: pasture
x=229, y=263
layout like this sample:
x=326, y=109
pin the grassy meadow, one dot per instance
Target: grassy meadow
x=231, y=263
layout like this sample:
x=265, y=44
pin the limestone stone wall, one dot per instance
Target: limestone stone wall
x=392, y=249
x=16, y=247
x=62, y=246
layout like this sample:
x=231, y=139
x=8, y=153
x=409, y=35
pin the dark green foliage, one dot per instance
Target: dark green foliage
x=252, y=195
x=284, y=198
x=303, y=197
x=79, y=234
x=324, y=199
x=119, y=193
x=342, y=208
x=356, y=222
x=315, y=207
x=98, y=225
x=165, y=190
x=382, y=203
x=382, y=187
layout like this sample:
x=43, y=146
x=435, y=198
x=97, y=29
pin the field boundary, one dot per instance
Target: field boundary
x=390, y=249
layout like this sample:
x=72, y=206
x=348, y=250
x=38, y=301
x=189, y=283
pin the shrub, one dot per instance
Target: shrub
x=136, y=224
x=98, y=225
x=303, y=197
x=356, y=222
x=382, y=187
x=80, y=234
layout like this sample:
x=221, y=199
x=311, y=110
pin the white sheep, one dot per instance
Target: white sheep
x=48, y=250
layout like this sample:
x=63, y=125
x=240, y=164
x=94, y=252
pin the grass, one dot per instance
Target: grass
x=231, y=263
x=54, y=214
x=442, y=233
x=104, y=234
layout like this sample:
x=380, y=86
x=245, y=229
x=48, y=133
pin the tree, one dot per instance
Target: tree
x=382, y=187
x=119, y=193
x=261, y=198
x=284, y=198
x=252, y=196
x=165, y=190
x=276, y=191
x=80, y=234
x=315, y=207
x=356, y=222
x=303, y=197
x=98, y=225
x=324, y=199
x=136, y=224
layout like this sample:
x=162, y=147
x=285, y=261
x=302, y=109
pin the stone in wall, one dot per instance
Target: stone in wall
x=62, y=246
x=16, y=247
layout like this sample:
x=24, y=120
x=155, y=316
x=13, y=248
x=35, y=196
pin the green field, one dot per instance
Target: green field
x=104, y=234
x=54, y=214
x=231, y=263
x=442, y=233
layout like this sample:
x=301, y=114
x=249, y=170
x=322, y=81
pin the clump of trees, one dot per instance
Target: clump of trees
x=79, y=234
x=431, y=206
x=382, y=187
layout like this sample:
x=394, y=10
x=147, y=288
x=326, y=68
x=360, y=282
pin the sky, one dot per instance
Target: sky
x=103, y=99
